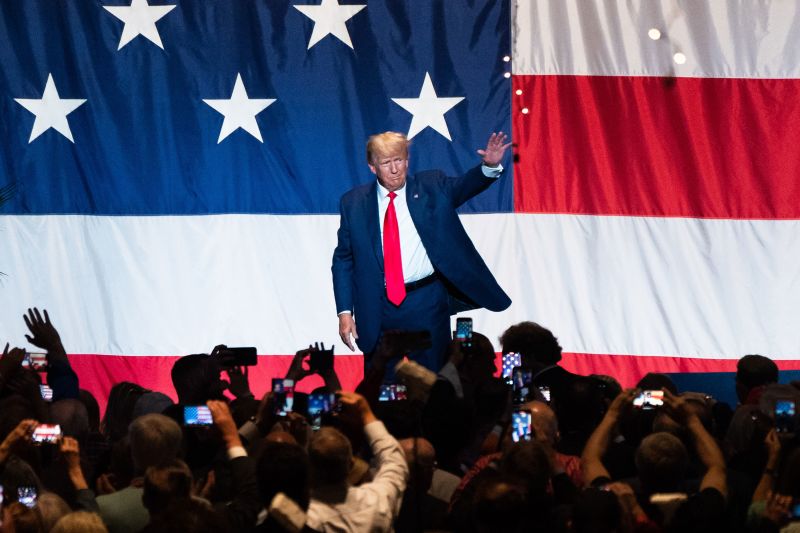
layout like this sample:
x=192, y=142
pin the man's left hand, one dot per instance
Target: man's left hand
x=495, y=149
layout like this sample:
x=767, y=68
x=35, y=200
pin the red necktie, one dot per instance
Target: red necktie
x=392, y=260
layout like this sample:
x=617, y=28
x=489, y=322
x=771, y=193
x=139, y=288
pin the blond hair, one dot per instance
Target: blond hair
x=386, y=143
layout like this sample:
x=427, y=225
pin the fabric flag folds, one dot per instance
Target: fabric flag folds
x=658, y=178
x=179, y=162
x=178, y=166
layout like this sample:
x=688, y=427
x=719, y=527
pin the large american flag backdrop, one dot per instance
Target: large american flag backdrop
x=178, y=166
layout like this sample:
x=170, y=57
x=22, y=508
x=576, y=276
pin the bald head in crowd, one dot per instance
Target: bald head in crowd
x=544, y=422
x=421, y=457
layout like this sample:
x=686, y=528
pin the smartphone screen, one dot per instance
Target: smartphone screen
x=282, y=395
x=46, y=434
x=545, y=393
x=392, y=393
x=784, y=416
x=649, y=399
x=47, y=393
x=520, y=426
x=38, y=361
x=27, y=496
x=320, y=403
x=197, y=415
x=510, y=361
x=521, y=384
x=464, y=331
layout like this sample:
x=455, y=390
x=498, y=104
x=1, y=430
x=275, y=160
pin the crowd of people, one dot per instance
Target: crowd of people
x=459, y=450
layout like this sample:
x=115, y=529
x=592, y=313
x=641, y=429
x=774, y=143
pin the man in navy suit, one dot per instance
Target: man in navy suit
x=403, y=260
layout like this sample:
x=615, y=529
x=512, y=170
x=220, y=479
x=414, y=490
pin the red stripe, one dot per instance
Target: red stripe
x=648, y=146
x=98, y=373
x=629, y=369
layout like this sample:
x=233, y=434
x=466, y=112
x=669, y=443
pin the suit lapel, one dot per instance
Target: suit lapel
x=414, y=201
x=370, y=205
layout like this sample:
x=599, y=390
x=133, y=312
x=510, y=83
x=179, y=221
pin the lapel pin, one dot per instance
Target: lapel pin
x=416, y=195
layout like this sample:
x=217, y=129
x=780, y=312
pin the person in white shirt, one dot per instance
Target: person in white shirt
x=370, y=507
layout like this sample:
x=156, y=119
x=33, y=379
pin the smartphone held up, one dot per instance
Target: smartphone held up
x=649, y=399
x=464, y=331
x=46, y=434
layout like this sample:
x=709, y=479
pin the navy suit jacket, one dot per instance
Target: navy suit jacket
x=432, y=198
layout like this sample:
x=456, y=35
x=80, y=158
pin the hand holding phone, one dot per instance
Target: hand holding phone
x=649, y=399
x=37, y=361
x=197, y=415
x=233, y=357
x=392, y=393
x=320, y=359
x=521, y=379
x=47, y=393
x=464, y=331
x=319, y=404
x=510, y=361
x=282, y=396
x=27, y=496
x=784, y=417
x=521, y=425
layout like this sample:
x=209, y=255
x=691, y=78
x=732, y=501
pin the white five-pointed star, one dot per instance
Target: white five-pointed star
x=428, y=109
x=240, y=111
x=329, y=18
x=140, y=19
x=51, y=111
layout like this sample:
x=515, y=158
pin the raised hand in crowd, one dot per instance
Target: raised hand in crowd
x=456, y=353
x=60, y=376
x=10, y=363
x=706, y=447
x=597, y=444
x=43, y=333
x=70, y=451
x=238, y=382
x=18, y=435
x=223, y=420
x=298, y=369
x=355, y=408
x=314, y=360
x=772, y=444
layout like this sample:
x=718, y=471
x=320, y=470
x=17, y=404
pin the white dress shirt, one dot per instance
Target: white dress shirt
x=416, y=263
x=370, y=507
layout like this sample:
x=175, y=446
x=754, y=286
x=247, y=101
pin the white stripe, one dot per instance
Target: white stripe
x=720, y=38
x=620, y=285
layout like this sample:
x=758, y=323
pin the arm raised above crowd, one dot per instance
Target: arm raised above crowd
x=705, y=445
x=60, y=375
x=591, y=459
